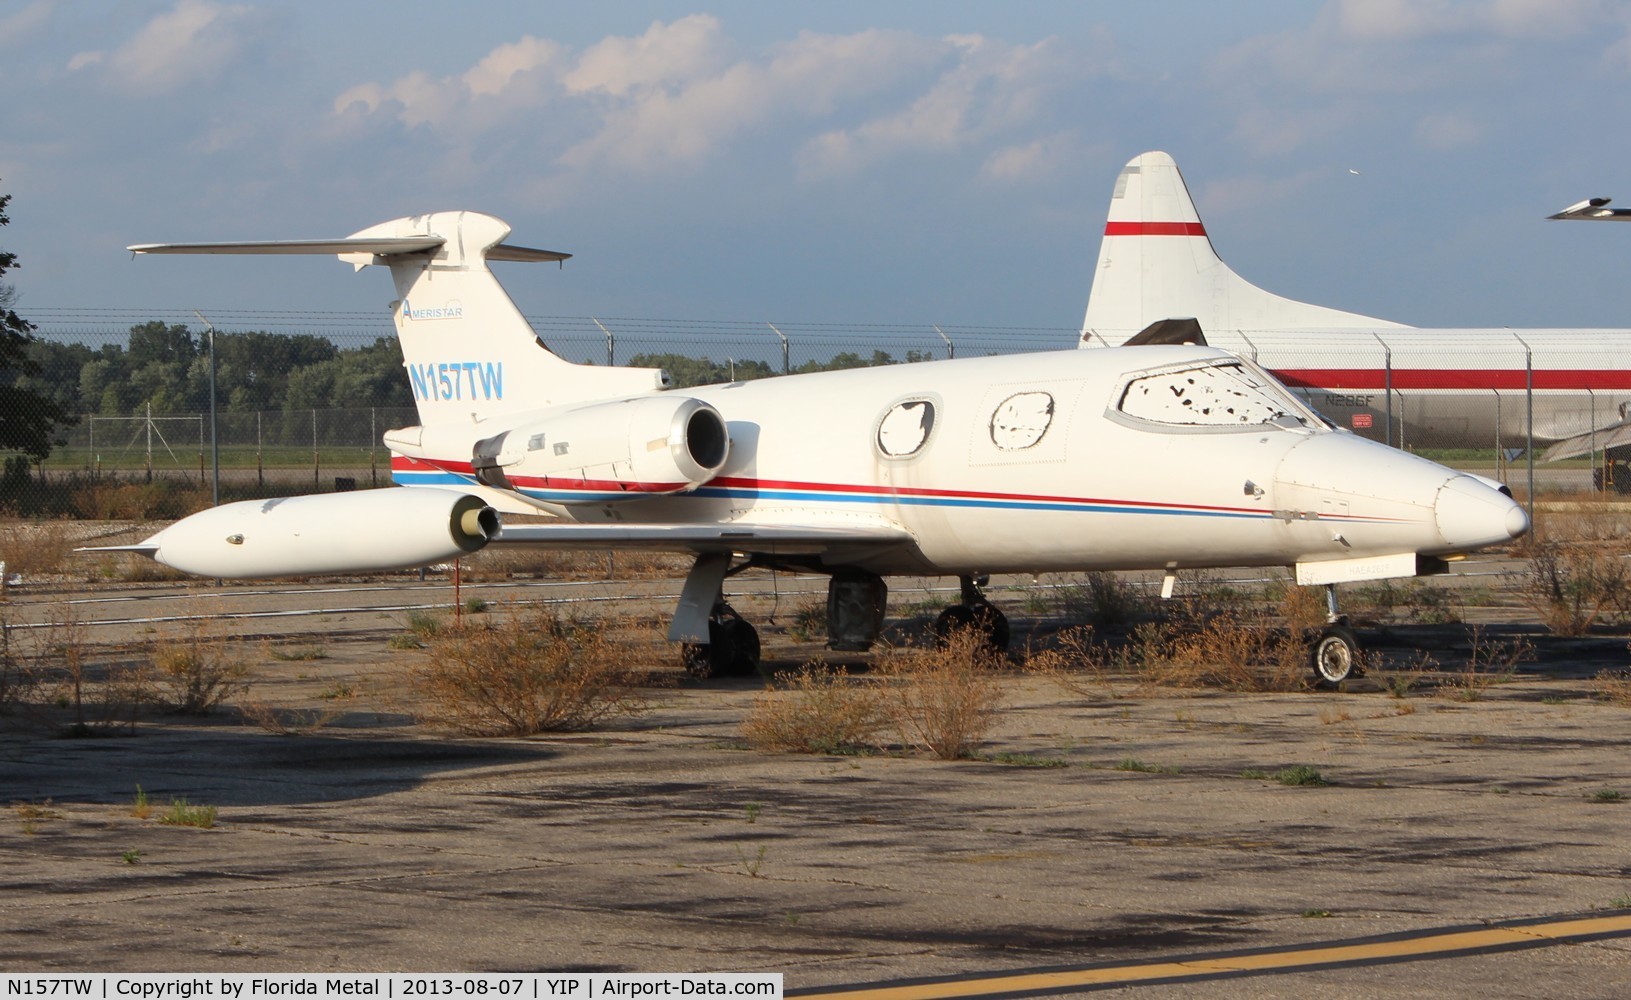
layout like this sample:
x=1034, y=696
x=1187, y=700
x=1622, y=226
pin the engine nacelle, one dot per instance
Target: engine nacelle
x=620, y=450
x=360, y=532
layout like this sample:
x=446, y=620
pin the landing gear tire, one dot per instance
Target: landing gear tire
x=987, y=622
x=1335, y=656
x=732, y=649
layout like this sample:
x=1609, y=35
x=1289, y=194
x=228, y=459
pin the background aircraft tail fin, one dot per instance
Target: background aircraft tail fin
x=1156, y=262
x=468, y=352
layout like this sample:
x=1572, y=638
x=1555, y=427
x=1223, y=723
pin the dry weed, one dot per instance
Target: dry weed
x=1079, y=664
x=289, y=721
x=1579, y=574
x=1229, y=649
x=943, y=700
x=524, y=674
x=198, y=672
x=817, y=711
x=1613, y=686
x=32, y=549
x=1490, y=661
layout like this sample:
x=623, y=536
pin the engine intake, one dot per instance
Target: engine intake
x=621, y=450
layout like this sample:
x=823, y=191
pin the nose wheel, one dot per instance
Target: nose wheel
x=1335, y=655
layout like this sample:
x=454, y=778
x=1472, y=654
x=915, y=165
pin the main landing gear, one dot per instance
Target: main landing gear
x=732, y=649
x=716, y=641
x=975, y=612
x=1335, y=654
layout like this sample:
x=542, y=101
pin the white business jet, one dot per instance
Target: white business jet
x=1159, y=455
x=1569, y=390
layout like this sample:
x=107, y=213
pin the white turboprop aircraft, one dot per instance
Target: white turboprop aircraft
x=1160, y=456
x=1405, y=385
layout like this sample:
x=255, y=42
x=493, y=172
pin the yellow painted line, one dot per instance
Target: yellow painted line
x=1398, y=949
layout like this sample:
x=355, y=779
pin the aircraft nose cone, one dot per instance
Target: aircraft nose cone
x=1470, y=514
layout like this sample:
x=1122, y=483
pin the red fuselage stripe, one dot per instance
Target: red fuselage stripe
x=1154, y=229
x=1503, y=379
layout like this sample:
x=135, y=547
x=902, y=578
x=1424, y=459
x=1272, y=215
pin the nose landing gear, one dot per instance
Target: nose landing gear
x=1335, y=654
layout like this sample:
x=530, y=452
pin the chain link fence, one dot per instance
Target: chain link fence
x=322, y=411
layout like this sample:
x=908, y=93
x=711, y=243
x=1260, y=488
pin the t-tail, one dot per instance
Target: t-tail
x=1156, y=262
x=468, y=352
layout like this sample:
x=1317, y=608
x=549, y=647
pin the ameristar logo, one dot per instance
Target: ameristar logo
x=449, y=310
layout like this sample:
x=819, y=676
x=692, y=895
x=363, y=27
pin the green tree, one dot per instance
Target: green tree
x=27, y=419
x=687, y=371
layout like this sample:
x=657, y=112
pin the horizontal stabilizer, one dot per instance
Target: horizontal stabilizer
x=1615, y=435
x=1169, y=331
x=379, y=246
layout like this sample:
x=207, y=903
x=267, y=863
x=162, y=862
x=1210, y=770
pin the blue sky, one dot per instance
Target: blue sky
x=927, y=162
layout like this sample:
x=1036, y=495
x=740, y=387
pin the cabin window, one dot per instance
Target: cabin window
x=1222, y=395
x=1020, y=420
x=905, y=428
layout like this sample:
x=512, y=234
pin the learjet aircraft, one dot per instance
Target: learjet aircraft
x=1165, y=455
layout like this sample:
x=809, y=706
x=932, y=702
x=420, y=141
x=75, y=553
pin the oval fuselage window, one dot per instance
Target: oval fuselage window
x=1020, y=420
x=905, y=428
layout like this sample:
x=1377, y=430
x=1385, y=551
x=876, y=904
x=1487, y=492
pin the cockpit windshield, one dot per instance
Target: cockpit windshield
x=1230, y=394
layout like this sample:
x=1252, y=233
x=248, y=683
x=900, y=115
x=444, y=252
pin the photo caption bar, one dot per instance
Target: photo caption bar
x=392, y=986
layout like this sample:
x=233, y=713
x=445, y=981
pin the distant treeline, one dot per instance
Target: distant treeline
x=167, y=367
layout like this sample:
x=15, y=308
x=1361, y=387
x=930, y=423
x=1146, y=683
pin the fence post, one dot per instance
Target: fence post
x=611, y=343
x=786, y=365
x=373, y=448
x=1529, y=420
x=260, y=455
x=316, y=475
x=1387, y=387
x=951, y=348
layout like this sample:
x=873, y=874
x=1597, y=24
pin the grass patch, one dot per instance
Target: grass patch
x=183, y=813
x=1134, y=764
x=1024, y=760
x=1301, y=775
x=1608, y=795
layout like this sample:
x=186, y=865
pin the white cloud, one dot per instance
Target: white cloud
x=678, y=95
x=667, y=54
x=194, y=40
x=1412, y=20
x=989, y=88
x=1345, y=67
x=19, y=28
x=1044, y=157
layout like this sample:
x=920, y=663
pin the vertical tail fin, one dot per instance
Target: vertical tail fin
x=468, y=351
x=1156, y=262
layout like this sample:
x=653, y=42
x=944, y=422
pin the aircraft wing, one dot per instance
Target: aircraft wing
x=1611, y=436
x=782, y=539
